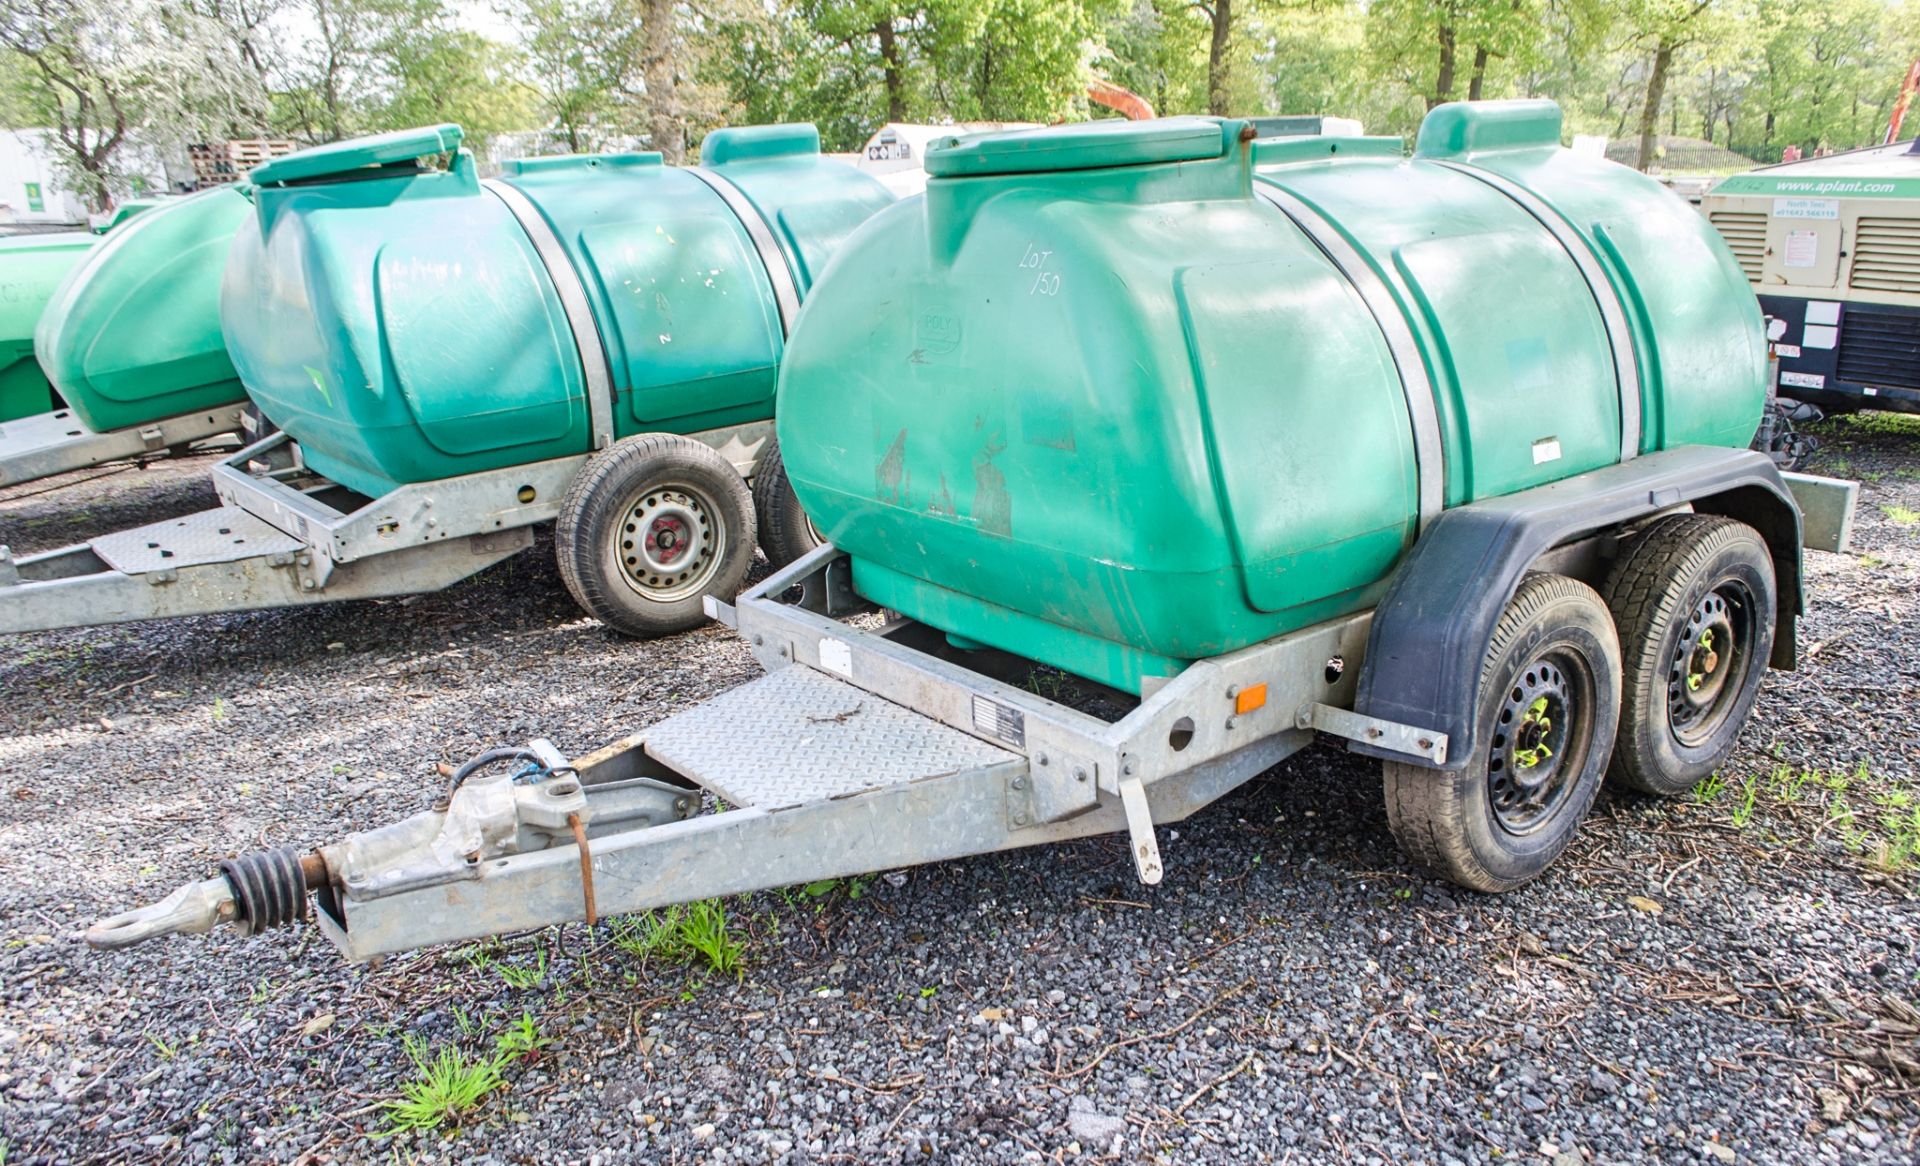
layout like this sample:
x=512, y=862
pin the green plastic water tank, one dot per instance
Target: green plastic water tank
x=31, y=267
x=133, y=335
x=400, y=323
x=1099, y=397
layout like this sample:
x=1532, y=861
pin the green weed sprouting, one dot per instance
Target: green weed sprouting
x=448, y=1084
x=445, y=1087
x=696, y=933
x=524, y=978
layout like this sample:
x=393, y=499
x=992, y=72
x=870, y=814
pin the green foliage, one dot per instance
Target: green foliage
x=579, y=55
x=446, y=1086
x=521, y=1038
x=696, y=933
x=516, y=976
x=1750, y=76
x=1886, y=835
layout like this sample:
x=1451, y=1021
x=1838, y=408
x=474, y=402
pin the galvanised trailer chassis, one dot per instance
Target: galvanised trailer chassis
x=52, y=443
x=869, y=748
x=284, y=536
x=825, y=777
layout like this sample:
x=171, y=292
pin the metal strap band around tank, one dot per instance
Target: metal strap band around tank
x=1429, y=450
x=1626, y=365
x=786, y=291
x=573, y=301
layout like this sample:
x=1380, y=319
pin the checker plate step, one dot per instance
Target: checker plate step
x=797, y=736
x=211, y=536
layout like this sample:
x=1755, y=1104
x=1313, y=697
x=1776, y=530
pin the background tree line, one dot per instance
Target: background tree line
x=1753, y=76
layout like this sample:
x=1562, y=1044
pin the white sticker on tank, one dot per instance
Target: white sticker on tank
x=837, y=656
x=1821, y=336
x=1823, y=312
x=1547, y=449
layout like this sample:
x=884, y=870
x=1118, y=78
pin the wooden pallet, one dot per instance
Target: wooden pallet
x=221, y=162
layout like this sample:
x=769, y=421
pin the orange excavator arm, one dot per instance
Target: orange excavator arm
x=1900, y=104
x=1123, y=101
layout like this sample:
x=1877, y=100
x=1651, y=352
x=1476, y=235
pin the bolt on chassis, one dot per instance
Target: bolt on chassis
x=876, y=745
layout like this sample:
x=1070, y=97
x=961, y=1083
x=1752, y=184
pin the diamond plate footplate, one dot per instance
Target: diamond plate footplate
x=211, y=536
x=797, y=736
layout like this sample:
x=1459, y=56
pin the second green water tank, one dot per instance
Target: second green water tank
x=31, y=267
x=400, y=322
x=132, y=336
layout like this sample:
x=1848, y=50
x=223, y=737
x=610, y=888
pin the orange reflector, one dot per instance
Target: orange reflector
x=1253, y=696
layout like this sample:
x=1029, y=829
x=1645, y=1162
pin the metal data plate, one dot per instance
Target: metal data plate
x=211, y=536
x=798, y=736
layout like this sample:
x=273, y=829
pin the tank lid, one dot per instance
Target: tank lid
x=339, y=158
x=580, y=163
x=754, y=143
x=1082, y=146
x=1460, y=128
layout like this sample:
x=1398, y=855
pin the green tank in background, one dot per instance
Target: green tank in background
x=133, y=335
x=590, y=341
x=31, y=267
x=403, y=326
x=1122, y=396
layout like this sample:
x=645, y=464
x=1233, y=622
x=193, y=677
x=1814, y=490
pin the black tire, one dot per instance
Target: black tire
x=1553, y=665
x=673, y=489
x=786, y=533
x=1684, y=582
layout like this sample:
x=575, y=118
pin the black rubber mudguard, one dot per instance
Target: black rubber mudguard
x=1430, y=632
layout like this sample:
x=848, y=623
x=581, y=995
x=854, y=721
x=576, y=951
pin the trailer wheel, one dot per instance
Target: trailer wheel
x=786, y=532
x=1693, y=598
x=651, y=525
x=1548, y=706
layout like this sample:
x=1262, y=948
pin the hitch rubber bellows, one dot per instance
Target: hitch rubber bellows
x=268, y=888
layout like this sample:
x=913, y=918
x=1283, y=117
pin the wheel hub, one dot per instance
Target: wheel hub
x=669, y=542
x=1707, y=655
x=1527, y=773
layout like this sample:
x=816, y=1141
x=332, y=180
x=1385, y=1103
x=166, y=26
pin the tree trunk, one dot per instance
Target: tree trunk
x=1443, y=81
x=893, y=74
x=1218, y=99
x=1650, y=111
x=1478, y=83
x=668, y=129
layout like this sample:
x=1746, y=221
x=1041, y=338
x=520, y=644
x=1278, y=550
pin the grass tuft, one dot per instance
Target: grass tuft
x=696, y=933
x=446, y=1087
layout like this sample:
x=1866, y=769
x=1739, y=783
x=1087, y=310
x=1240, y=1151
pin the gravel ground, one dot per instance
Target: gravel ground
x=1728, y=978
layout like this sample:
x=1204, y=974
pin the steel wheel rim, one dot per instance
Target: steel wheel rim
x=1709, y=659
x=1539, y=741
x=668, y=542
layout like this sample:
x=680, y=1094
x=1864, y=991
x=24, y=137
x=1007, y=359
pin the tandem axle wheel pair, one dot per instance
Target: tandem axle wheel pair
x=1645, y=683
